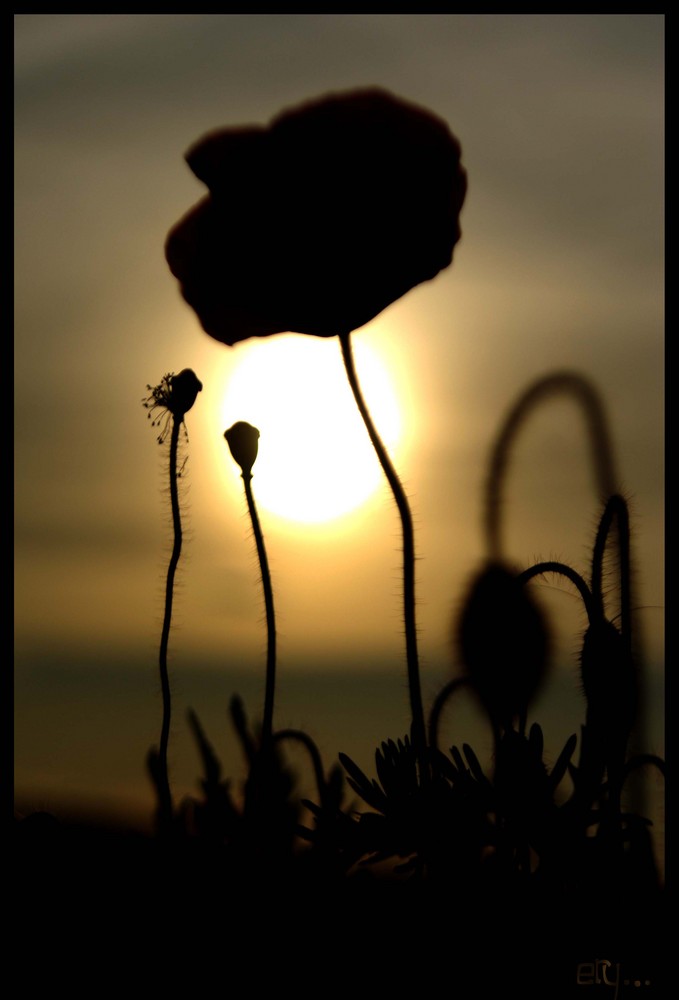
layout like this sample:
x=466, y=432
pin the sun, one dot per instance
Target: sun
x=315, y=462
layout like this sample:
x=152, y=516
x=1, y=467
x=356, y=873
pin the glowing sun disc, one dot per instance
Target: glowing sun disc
x=315, y=459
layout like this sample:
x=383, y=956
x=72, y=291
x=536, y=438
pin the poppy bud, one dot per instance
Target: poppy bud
x=503, y=642
x=242, y=440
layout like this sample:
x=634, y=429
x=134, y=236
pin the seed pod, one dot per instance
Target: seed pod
x=243, y=442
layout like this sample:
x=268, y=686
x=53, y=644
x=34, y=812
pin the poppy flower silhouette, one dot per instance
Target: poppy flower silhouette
x=318, y=222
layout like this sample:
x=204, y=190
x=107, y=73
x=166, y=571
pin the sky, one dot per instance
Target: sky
x=560, y=268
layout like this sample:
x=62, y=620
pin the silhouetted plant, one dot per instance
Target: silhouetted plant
x=216, y=816
x=609, y=676
x=451, y=824
x=167, y=405
x=503, y=641
x=330, y=836
x=242, y=440
x=608, y=663
x=464, y=829
x=257, y=828
x=392, y=223
x=524, y=789
x=397, y=798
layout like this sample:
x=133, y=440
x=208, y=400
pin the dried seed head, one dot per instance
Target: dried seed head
x=172, y=397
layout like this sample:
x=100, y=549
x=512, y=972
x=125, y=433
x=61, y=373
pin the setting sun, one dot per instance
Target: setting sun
x=315, y=461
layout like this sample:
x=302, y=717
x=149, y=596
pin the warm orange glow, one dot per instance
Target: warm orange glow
x=315, y=460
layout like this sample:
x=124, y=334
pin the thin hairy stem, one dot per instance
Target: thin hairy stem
x=417, y=711
x=163, y=778
x=562, y=570
x=600, y=442
x=267, y=724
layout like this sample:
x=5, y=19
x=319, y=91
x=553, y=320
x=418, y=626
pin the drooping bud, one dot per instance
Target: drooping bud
x=503, y=642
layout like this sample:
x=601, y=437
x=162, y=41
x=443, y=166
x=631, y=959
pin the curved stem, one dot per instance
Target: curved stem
x=267, y=723
x=597, y=426
x=164, y=781
x=562, y=570
x=439, y=701
x=417, y=711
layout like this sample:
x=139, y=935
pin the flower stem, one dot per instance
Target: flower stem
x=561, y=569
x=418, y=726
x=267, y=724
x=603, y=467
x=164, y=781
